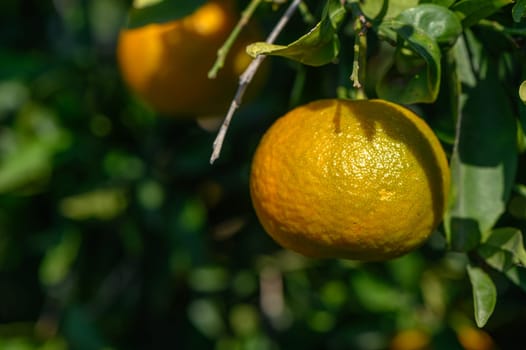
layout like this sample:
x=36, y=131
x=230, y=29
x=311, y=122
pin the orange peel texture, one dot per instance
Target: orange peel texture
x=362, y=180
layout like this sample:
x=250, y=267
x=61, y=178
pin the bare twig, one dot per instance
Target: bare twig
x=223, y=51
x=246, y=78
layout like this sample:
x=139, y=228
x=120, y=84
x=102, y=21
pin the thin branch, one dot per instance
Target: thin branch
x=225, y=48
x=508, y=33
x=360, y=49
x=246, y=78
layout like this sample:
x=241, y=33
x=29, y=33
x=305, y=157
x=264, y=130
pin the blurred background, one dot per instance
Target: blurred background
x=117, y=233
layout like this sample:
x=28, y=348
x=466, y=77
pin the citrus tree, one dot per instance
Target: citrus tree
x=441, y=57
x=143, y=160
x=438, y=57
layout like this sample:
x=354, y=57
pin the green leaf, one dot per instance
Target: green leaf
x=57, y=262
x=419, y=32
x=472, y=11
x=519, y=10
x=318, y=47
x=145, y=12
x=503, y=249
x=37, y=138
x=522, y=92
x=484, y=162
x=385, y=9
x=446, y=109
x=436, y=21
x=467, y=59
x=376, y=295
x=518, y=276
x=484, y=294
x=444, y=3
x=420, y=81
x=101, y=204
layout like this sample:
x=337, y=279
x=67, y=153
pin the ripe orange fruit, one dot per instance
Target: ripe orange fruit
x=472, y=338
x=167, y=64
x=364, y=180
x=410, y=339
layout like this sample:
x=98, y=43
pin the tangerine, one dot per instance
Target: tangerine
x=167, y=64
x=364, y=180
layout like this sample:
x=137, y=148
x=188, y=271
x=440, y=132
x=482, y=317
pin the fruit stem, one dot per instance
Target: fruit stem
x=360, y=49
x=246, y=78
x=225, y=48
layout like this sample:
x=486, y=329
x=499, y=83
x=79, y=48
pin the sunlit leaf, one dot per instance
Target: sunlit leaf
x=205, y=316
x=522, y=91
x=244, y=319
x=472, y=11
x=484, y=294
x=467, y=59
x=102, y=204
x=145, y=12
x=385, y=9
x=436, y=21
x=318, y=47
x=37, y=138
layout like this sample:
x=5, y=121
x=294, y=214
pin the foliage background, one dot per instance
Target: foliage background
x=116, y=233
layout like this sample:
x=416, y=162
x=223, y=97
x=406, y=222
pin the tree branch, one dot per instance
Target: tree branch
x=246, y=78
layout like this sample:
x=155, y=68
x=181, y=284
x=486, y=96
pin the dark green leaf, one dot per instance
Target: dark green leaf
x=517, y=206
x=484, y=161
x=518, y=276
x=484, y=294
x=318, y=47
x=503, y=248
x=472, y=11
x=521, y=107
x=79, y=326
x=160, y=11
x=519, y=10
x=447, y=106
x=420, y=80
